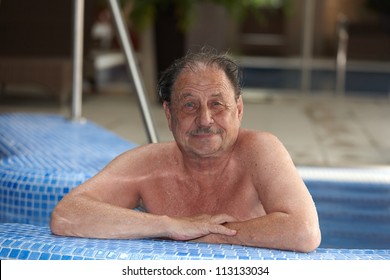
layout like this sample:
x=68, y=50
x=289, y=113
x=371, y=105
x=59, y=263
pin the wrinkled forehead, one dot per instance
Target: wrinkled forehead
x=202, y=77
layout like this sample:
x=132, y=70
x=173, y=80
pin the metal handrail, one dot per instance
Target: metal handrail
x=133, y=69
x=341, y=58
x=130, y=62
x=77, y=67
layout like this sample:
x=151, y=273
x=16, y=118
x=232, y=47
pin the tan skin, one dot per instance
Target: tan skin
x=215, y=183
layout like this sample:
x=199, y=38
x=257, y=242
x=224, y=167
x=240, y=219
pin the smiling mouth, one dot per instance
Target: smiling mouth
x=205, y=131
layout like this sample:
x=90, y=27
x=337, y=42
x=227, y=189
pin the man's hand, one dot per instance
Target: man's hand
x=189, y=228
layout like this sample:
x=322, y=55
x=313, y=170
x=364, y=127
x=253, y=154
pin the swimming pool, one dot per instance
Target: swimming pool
x=353, y=206
x=361, y=79
x=42, y=157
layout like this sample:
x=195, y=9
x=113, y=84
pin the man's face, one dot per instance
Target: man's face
x=204, y=115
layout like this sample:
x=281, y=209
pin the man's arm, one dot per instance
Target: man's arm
x=274, y=231
x=291, y=221
x=102, y=207
x=94, y=219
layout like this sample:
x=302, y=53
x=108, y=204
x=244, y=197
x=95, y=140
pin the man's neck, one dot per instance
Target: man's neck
x=206, y=165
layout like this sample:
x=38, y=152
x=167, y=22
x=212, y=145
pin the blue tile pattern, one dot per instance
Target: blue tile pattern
x=31, y=242
x=42, y=157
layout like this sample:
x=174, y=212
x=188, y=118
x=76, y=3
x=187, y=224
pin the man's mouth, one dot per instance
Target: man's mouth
x=205, y=131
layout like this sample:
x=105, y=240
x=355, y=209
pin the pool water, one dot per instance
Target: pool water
x=352, y=215
x=359, y=82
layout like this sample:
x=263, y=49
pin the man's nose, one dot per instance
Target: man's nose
x=204, y=117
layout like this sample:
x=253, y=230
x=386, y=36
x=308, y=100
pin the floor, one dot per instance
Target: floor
x=316, y=130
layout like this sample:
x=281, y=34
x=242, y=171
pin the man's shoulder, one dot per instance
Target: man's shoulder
x=152, y=153
x=258, y=144
x=146, y=157
x=261, y=149
x=253, y=137
x=152, y=150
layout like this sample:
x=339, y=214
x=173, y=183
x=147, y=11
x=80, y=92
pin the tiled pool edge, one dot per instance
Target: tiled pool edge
x=30, y=242
x=42, y=157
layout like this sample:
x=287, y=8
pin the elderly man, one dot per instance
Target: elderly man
x=215, y=183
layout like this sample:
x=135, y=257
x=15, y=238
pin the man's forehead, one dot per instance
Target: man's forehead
x=210, y=79
x=185, y=95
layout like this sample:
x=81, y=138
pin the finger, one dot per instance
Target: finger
x=222, y=218
x=219, y=229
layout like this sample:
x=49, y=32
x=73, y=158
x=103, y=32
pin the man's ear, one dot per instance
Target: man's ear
x=167, y=111
x=240, y=108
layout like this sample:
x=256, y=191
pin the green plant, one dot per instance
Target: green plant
x=144, y=12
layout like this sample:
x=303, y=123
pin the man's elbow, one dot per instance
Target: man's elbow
x=57, y=223
x=309, y=239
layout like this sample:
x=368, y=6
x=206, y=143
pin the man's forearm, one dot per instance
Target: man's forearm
x=275, y=231
x=85, y=217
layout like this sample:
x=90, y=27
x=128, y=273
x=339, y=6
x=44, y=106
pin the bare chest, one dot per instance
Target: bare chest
x=235, y=196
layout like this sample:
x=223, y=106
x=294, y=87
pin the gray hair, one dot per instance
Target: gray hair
x=205, y=56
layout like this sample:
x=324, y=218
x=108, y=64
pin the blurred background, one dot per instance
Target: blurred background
x=316, y=72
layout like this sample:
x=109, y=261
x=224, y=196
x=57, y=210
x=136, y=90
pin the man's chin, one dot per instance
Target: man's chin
x=206, y=151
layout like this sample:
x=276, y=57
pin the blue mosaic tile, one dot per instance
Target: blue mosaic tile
x=14, y=254
x=67, y=250
x=112, y=256
x=34, y=178
x=62, y=248
x=55, y=257
x=24, y=255
x=45, y=256
x=4, y=253
x=66, y=257
x=7, y=242
x=34, y=256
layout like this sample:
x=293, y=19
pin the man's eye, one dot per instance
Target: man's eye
x=189, y=106
x=217, y=104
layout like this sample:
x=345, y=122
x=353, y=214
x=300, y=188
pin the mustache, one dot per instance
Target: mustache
x=205, y=130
